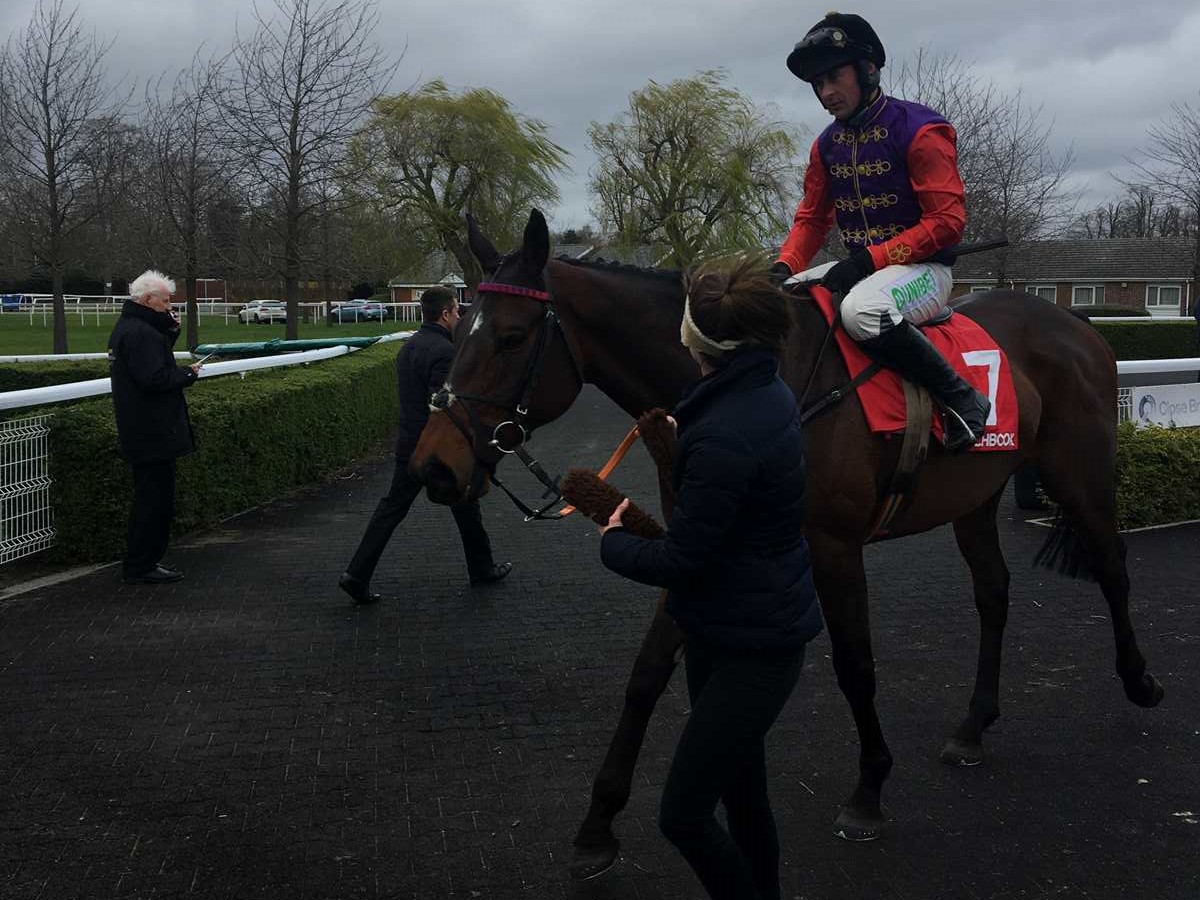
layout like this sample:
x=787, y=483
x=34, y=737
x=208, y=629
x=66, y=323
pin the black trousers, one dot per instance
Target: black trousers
x=392, y=509
x=721, y=756
x=150, y=515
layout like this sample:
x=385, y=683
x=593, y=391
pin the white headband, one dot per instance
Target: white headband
x=694, y=339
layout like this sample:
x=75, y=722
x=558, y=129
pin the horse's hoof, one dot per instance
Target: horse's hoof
x=855, y=827
x=589, y=862
x=1145, y=691
x=962, y=753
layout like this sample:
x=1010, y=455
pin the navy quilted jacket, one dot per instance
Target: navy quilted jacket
x=734, y=560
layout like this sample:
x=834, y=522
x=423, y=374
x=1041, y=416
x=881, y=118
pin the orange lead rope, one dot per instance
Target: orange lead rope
x=613, y=462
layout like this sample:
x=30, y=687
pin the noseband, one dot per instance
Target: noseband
x=509, y=436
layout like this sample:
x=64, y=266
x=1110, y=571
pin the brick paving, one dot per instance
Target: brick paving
x=248, y=733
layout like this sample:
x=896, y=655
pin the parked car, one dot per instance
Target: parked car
x=360, y=311
x=263, y=311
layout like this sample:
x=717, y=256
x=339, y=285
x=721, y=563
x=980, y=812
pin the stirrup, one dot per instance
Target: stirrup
x=947, y=413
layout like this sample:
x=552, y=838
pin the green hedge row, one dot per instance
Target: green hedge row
x=23, y=376
x=256, y=438
x=1149, y=340
x=1157, y=477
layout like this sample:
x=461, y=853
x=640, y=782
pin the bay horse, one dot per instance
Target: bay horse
x=540, y=328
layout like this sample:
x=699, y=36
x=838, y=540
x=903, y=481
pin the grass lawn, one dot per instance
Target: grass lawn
x=89, y=334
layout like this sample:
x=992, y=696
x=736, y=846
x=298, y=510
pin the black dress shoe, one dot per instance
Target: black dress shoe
x=492, y=574
x=157, y=575
x=358, y=590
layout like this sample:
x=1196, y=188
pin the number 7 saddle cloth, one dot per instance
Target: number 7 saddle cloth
x=972, y=353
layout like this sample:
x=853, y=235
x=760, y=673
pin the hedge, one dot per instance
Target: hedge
x=256, y=438
x=1096, y=312
x=1157, y=479
x=1149, y=340
x=22, y=376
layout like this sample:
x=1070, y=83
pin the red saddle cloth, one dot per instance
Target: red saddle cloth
x=969, y=349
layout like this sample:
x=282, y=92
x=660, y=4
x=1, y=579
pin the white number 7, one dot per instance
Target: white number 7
x=991, y=359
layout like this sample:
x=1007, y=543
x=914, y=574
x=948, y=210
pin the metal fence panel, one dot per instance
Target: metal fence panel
x=26, y=520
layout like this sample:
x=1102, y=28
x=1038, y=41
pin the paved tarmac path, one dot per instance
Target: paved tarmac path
x=249, y=733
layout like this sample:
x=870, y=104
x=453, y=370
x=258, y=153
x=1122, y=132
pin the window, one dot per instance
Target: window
x=1044, y=291
x=1087, y=295
x=1162, y=295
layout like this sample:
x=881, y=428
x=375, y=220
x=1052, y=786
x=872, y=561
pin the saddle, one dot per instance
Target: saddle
x=894, y=407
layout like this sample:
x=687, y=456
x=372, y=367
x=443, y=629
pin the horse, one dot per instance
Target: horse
x=540, y=328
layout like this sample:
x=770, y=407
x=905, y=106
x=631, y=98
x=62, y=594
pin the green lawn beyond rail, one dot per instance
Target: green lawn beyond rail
x=89, y=335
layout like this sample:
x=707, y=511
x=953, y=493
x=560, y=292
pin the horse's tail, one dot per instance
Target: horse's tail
x=1064, y=550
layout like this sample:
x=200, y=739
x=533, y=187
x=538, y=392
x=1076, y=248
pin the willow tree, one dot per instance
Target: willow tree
x=434, y=155
x=694, y=167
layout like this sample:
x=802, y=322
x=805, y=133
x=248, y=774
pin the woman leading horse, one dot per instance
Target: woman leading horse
x=540, y=328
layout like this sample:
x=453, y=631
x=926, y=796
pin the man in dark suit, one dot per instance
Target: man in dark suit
x=153, y=428
x=421, y=369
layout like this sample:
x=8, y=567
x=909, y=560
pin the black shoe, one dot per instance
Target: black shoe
x=492, y=574
x=906, y=350
x=157, y=575
x=358, y=590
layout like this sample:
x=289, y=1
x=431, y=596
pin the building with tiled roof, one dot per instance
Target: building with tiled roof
x=1151, y=273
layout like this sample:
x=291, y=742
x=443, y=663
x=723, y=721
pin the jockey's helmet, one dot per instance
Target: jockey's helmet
x=837, y=39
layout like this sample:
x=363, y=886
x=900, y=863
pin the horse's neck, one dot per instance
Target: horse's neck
x=627, y=330
x=812, y=361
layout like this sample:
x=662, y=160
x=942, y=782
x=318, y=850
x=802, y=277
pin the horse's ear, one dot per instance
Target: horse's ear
x=536, y=245
x=481, y=247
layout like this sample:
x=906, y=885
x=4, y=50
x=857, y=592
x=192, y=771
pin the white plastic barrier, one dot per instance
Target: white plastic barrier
x=1156, y=366
x=59, y=357
x=57, y=393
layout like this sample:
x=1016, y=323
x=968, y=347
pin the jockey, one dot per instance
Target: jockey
x=886, y=171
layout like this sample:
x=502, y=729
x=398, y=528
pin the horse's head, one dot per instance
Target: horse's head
x=513, y=370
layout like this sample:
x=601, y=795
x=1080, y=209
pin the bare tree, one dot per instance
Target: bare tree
x=193, y=165
x=1015, y=181
x=1171, y=163
x=114, y=160
x=1140, y=212
x=53, y=98
x=303, y=82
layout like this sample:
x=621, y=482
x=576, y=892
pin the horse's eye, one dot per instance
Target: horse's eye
x=511, y=341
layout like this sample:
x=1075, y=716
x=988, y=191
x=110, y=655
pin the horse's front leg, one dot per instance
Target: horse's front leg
x=842, y=586
x=595, y=845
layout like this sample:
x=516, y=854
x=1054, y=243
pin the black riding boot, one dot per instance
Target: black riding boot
x=906, y=350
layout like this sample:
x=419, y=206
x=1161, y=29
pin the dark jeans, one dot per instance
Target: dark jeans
x=150, y=515
x=721, y=756
x=392, y=509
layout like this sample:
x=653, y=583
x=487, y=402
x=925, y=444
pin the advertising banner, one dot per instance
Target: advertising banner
x=1167, y=404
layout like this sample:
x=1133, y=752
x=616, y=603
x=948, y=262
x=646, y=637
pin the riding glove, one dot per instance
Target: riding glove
x=849, y=272
x=779, y=273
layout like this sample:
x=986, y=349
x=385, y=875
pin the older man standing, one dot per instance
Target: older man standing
x=153, y=428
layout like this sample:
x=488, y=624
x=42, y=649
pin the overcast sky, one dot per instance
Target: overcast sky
x=1105, y=70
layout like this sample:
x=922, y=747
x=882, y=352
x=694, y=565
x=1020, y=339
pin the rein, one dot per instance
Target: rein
x=838, y=394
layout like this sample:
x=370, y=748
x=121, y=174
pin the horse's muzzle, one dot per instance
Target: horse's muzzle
x=441, y=484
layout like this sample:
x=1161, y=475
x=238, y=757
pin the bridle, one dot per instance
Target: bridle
x=510, y=435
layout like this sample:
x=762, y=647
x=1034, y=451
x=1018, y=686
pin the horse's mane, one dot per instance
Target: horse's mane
x=612, y=265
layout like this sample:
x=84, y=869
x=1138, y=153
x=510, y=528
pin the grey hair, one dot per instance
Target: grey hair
x=150, y=282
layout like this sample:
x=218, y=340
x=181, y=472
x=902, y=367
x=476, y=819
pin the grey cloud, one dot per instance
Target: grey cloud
x=1104, y=70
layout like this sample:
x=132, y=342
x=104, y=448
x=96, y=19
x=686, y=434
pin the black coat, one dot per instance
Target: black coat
x=147, y=386
x=734, y=560
x=421, y=369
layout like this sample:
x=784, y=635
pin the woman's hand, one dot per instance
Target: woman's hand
x=614, y=521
